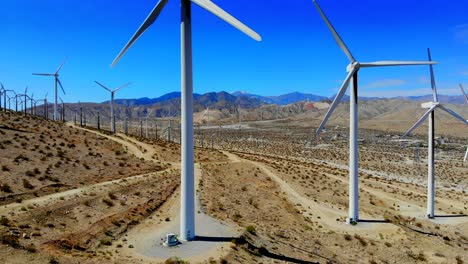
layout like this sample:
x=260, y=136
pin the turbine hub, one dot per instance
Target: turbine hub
x=354, y=65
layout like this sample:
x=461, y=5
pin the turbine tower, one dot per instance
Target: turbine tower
x=187, y=223
x=112, y=102
x=466, y=102
x=463, y=92
x=430, y=141
x=352, y=78
x=57, y=81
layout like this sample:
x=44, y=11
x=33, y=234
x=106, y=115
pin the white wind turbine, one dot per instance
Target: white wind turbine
x=466, y=102
x=435, y=104
x=57, y=81
x=352, y=77
x=112, y=102
x=187, y=223
x=463, y=92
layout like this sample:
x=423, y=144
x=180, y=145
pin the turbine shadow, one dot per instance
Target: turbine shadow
x=214, y=239
x=383, y=221
x=448, y=216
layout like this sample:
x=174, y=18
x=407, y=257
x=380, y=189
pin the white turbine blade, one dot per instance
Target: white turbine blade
x=419, y=121
x=463, y=92
x=60, y=84
x=61, y=65
x=335, y=34
x=146, y=24
x=103, y=86
x=433, y=84
x=395, y=63
x=125, y=85
x=44, y=74
x=337, y=100
x=217, y=11
x=450, y=111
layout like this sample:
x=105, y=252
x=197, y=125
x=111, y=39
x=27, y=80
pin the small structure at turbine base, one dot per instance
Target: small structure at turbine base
x=171, y=240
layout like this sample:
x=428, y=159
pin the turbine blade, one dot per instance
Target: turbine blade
x=44, y=74
x=337, y=100
x=395, y=63
x=60, y=84
x=419, y=121
x=433, y=84
x=103, y=86
x=61, y=65
x=125, y=85
x=450, y=111
x=463, y=92
x=26, y=90
x=146, y=24
x=335, y=34
x=217, y=11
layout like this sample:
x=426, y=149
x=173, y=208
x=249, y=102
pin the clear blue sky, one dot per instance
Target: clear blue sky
x=297, y=52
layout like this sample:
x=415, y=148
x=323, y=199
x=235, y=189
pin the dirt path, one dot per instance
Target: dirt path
x=102, y=187
x=146, y=237
x=131, y=148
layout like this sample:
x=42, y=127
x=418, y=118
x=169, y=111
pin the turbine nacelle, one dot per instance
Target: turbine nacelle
x=428, y=105
x=353, y=66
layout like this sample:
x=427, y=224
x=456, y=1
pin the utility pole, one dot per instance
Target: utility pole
x=98, y=121
x=81, y=117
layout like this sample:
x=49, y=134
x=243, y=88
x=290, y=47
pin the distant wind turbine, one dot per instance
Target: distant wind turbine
x=57, y=81
x=430, y=141
x=112, y=102
x=463, y=92
x=352, y=77
x=187, y=223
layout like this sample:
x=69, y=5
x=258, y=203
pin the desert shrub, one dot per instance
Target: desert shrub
x=250, y=229
x=27, y=184
x=108, y=202
x=5, y=168
x=106, y=242
x=30, y=173
x=112, y=196
x=348, y=237
x=10, y=240
x=174, y=260
x=5, y=188
x=4, y=221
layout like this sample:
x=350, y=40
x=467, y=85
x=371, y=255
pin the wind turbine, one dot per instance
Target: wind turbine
x=432, y=106
x=146, y=123
x=187, y=223
x=466, y=102
x=112, y=102
x=57, y=81
x=352, y=77
x=25, y=99
x=2, y=92
x=463, y=92
x=207, y=114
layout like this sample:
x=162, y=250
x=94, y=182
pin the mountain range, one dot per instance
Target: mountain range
x=249, y=100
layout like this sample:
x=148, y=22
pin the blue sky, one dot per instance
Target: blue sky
x=297, y=52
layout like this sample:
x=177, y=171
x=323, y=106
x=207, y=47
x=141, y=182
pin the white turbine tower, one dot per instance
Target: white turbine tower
x=187, y=223
x=112, y=102
x=466, y=102
x=430, y=141
x=57, y=81
x=352, y=77
x=463, y=92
